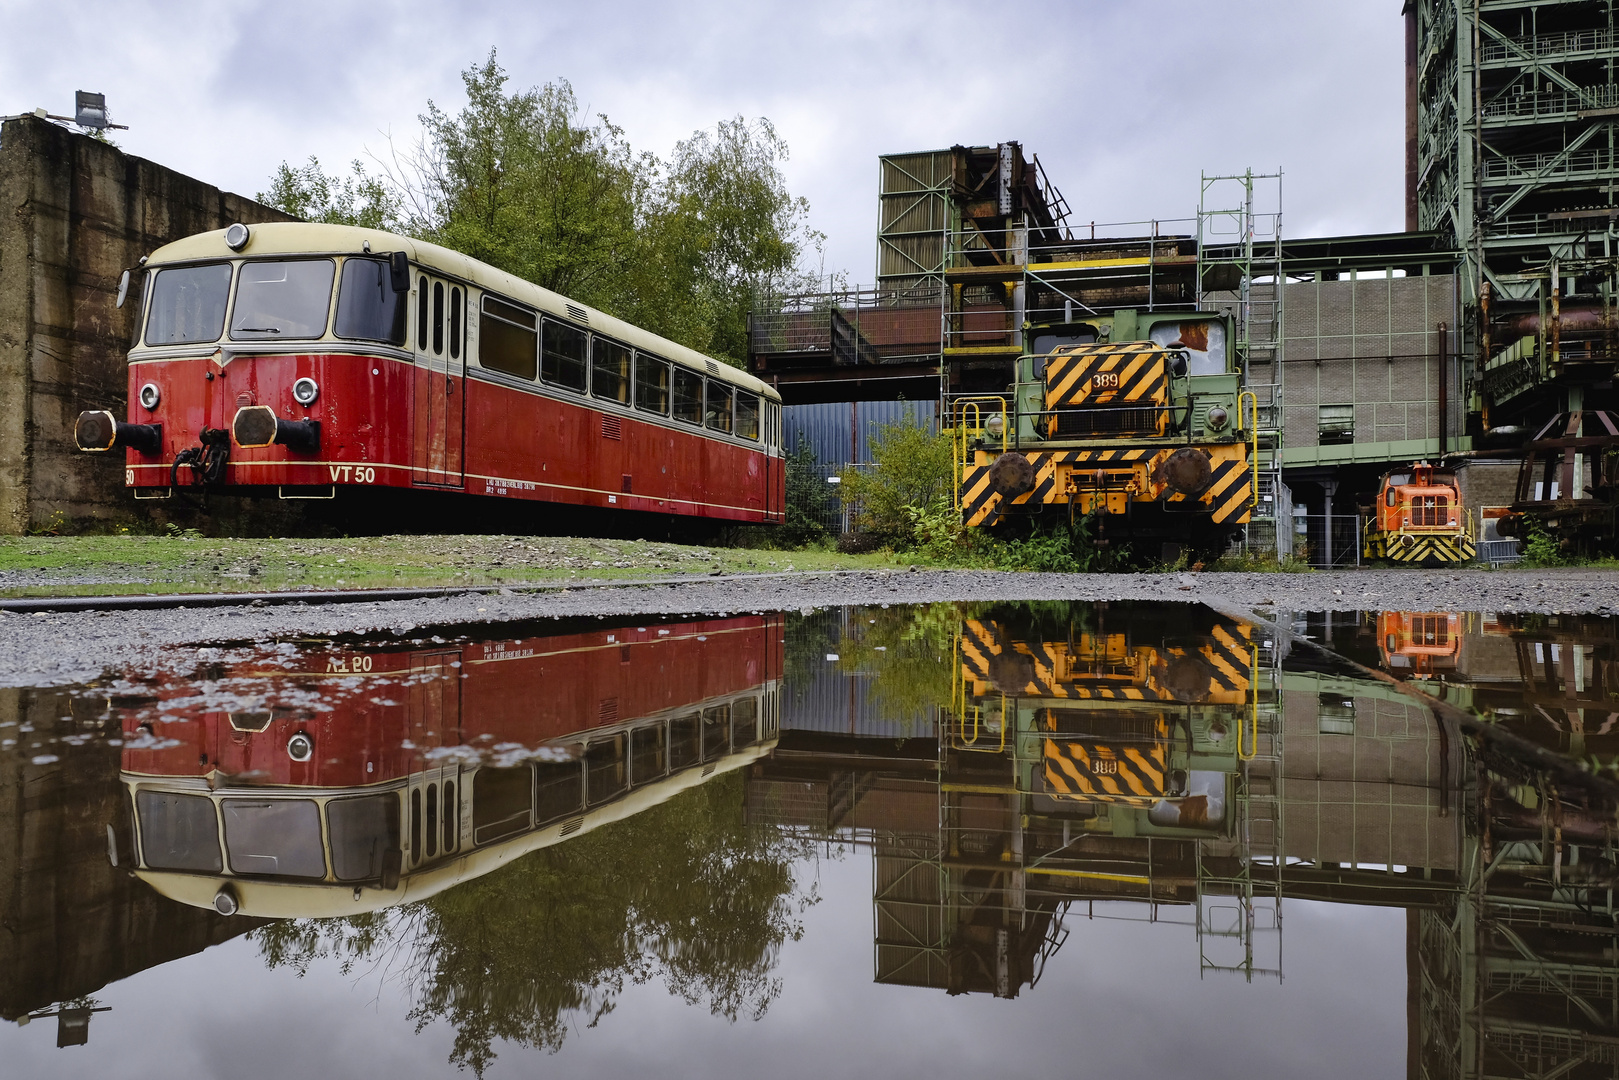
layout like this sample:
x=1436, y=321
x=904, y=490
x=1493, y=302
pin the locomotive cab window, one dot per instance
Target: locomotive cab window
x=651, y=384
x=718, y=411
x=610, y=371
x=188, y=304
x=282, y=300
x=688, y=396
x=506, y=339
x=1393, y=497
x=563, y=362
x=368, y=309
x=747, y=415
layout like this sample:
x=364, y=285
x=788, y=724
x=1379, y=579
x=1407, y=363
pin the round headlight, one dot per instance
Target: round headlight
x=300, y=747
x=225, y=901
x=1218, y=418
x=305, y=391
x=150, y=395
x=236, y=236
x=995, y=425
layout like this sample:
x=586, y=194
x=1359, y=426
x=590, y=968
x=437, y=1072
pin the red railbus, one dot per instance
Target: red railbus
x=306, y=360
x=338, y=781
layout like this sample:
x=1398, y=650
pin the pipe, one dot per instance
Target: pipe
x=1410, y=116
x=1444, y=388
x=1484, y=326
x=1557, y=316
x=1573, y=318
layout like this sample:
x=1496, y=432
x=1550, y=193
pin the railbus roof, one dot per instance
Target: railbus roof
x=314, y=238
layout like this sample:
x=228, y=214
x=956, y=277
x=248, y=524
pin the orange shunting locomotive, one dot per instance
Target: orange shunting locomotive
x=1418, y=518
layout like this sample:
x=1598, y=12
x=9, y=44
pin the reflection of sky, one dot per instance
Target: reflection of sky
x=1121, y=999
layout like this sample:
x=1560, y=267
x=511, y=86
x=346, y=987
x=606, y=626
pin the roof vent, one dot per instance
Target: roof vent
x=579, y=313
x=713, y=368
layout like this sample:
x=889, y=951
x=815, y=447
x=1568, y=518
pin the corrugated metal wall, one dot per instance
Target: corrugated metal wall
x=821, y=695
x=840, y=433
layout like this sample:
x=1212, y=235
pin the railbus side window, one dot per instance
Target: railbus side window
x=744, y=723
x=685, y=741
x=716, y=732
x=506, y=339
x=605, y=774
x=421, y=313
x=438, y=318
x=688, y=396
x=563, y=361
x=561, y=791
x=747, y=415
x=646, y=754
x=502, y=800
x=610, y=370
x=456, y=320
x=651, y=384
x=718, y=412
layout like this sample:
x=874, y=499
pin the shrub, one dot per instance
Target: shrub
x=910, y=471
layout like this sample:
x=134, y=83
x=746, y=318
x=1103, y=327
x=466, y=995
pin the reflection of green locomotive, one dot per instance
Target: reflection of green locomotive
x=1133, y=415
x=1132, y=730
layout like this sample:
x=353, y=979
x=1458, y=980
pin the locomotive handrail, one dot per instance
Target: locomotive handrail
x=1253, y=435
x=1253, y=709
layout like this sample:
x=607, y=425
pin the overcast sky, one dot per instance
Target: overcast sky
x=1125, y=103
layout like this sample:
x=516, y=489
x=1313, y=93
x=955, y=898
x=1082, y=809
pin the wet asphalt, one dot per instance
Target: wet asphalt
x=54, y=648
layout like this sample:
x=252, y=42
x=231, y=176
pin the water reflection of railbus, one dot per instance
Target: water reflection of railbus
x=337, y=782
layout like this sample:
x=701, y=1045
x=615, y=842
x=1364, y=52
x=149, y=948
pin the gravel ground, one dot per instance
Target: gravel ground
x=56, y=649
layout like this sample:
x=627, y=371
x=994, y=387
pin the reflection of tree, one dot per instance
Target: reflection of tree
x=909, y=652
x=685, y=892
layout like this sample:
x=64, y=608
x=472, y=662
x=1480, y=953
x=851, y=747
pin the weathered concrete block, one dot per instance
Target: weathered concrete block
x=78, y=212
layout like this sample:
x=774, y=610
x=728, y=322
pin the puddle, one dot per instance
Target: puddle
x=888, y=839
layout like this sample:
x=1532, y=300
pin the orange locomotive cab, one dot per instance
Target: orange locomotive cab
x=1418, y=518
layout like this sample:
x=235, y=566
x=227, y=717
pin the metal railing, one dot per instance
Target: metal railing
x=1499, y=552
x=1541, y=46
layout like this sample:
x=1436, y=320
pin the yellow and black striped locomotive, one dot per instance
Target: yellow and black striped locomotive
x=1134, y=416
x=1142, y=719
x=1418, y=519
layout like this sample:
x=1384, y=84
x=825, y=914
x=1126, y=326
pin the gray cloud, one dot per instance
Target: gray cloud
x=1125, y=104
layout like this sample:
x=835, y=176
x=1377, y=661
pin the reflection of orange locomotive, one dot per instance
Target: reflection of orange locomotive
x=1418, y=517
x=1419, y=644
x=329, y=783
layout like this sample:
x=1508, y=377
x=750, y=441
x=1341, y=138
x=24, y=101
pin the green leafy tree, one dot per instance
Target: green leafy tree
x=521, y=180
x=911, y=470
x=724, y=232
x=308, y=192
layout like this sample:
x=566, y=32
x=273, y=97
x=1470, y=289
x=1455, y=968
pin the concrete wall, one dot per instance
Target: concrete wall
x=1372, y=344
x=74, y=213
x=70, y=921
